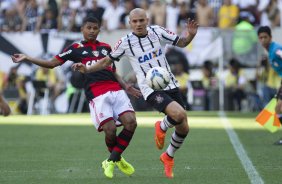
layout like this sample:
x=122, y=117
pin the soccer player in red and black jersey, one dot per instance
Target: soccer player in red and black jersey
x=105, y=90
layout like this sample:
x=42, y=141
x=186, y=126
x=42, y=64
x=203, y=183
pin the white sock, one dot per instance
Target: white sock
x=165, y=124
x=176, y=142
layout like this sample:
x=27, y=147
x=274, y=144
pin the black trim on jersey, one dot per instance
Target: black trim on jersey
x=150, y=42
x=143, y=71
x=159, y=62
x=175, y=41
x=155, y=32
x=112, y=58
x=168, y=39
x=143, y=36
x=150, y=65
x=117, y=58
x=139, y=39
x=130, y=46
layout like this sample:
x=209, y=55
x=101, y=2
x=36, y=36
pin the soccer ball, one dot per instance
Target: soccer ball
x=158, y=78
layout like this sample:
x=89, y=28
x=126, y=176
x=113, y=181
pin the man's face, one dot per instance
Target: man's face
x=90, y=31
x=264, y=39
x=138, y=23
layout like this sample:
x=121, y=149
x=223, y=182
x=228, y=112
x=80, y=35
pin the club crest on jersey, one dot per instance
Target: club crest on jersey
x=104, y=52
x=149, y=56
x=95, y=53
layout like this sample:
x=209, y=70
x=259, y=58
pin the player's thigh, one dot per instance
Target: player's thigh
x=101, y=110
x=121, y=104
x=128, y=120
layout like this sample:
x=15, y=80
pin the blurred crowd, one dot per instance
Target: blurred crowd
x=67, y=15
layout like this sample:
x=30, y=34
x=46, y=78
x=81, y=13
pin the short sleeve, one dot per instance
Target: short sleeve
x=118, y=50
x=65, y=55
x=167, y=36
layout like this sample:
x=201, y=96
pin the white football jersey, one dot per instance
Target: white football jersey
x=145, y=53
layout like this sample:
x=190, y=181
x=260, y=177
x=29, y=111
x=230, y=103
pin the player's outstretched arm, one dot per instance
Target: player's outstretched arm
x=192, y=28
x=17, y=58
x=128, y=87
x=4, y=107
x=99, y=65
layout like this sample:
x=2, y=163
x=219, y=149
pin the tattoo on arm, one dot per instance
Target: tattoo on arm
x=184, y=41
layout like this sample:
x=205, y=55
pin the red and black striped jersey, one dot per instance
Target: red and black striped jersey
x=88, y=53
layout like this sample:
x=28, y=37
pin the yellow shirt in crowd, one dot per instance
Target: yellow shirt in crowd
x=227, y=16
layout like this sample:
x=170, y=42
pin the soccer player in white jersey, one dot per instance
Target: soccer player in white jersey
x=144, y=48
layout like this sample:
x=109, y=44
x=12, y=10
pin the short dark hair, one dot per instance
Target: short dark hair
x=264, y=29
x=90, y=19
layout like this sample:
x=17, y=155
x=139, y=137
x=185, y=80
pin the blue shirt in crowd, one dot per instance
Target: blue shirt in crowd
x=275, y=57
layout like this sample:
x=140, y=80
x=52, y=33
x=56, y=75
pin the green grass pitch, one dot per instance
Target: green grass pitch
x=67, y=149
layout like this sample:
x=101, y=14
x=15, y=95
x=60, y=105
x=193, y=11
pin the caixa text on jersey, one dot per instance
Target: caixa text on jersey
x=149, y=56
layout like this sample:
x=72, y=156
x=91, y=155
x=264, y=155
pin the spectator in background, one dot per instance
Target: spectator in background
x=66, y=17
x=235, y=82
x=268, y=81
x=112, y=15
x=96, y=11
x=11, y=21
x=158, y=13
x=79, y=15
x=184, y=14
x=228, y=15
x=4, y=107
x=172, y=14
x=145, y=6
x=32, y=15
x=210, y=82
x=249, y=8
x=204, y=14
x=53, y=82
x=48, y=21
x=124, y=18
x=273, y=13
x=180, y=68
x=16, y=83
x=244, y=40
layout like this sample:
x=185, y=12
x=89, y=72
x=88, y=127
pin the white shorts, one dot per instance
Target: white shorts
x=109, y=106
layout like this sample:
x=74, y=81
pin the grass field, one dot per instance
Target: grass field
x=67, y=149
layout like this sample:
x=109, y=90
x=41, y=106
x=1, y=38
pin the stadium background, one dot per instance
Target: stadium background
x=43, y=28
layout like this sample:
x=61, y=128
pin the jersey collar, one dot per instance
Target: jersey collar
x=143, y=36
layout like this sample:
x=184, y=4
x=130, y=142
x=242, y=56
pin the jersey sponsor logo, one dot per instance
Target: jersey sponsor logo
x=65, y=53
x=90, y=63
x=95, y=53
x=117, y=44
x=150, y=56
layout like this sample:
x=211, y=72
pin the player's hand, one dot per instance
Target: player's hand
x=133, y=91
x=192, y=27
x=18, y=57
x=79, y=67
x=5, y=109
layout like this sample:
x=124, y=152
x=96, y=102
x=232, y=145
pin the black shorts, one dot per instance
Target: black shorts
x=160, y=99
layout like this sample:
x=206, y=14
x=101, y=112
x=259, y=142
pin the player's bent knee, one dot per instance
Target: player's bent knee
x=130, y=125
x=180, y=116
